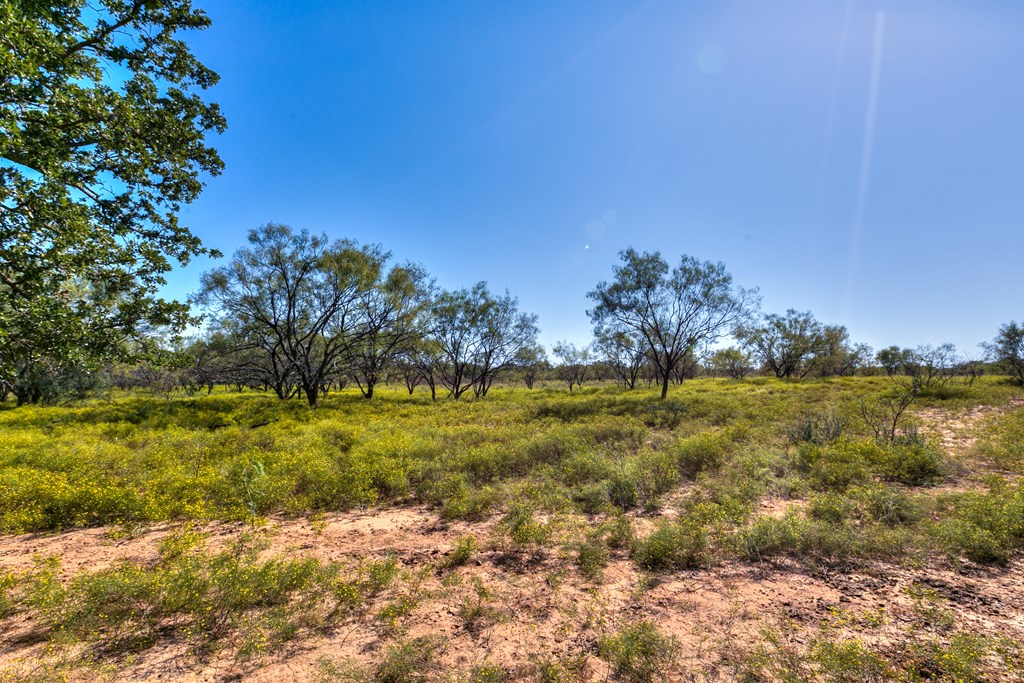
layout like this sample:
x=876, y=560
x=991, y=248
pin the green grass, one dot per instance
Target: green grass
x=527, y=456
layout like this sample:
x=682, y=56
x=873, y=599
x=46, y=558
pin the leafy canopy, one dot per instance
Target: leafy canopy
x=102, y=140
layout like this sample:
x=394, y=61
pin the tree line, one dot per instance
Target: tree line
x=301, y=315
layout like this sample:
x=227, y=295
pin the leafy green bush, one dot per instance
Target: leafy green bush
x=769, y=537
x=986, y=527
x=913, y=464
x=838, y=465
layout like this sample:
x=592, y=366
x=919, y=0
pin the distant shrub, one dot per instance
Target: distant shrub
x=913, y=464
x=704, y=452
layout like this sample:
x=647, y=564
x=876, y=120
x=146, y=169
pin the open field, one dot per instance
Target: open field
x=739, y=530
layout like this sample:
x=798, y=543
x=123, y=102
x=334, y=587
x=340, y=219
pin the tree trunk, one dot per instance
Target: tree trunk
x=664, y=384
x=312, y=395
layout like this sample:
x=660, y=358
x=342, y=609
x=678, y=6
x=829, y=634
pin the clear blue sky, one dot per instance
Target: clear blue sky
x=860, y=159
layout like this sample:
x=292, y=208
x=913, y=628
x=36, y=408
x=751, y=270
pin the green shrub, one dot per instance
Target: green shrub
x=838, y=465
x=963, y=537
x=816, y=428
x=563, y=670
x=592, y=499
x=192, y=595
x=769, y=537
x=488, y=673
x=623, y=491
x=687, y=542
x=832, y=507
x=913, y=464
x=461, y=553
x=888, y=505
x=639, y=653
x=8, y=580
x=704, y=452
x=407, y=662
x=592, y=557
x=619, y=532
x=1002, y=442
x=985, y=527
x=522, y=527
x=655, y=474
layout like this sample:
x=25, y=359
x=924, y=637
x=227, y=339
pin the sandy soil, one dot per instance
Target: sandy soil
x=542, y=607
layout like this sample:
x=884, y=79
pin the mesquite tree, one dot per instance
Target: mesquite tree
x=673, y=310
x=297, y=297
x=477, y=336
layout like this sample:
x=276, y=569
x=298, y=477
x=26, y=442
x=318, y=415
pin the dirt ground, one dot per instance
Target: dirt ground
x=542, y=607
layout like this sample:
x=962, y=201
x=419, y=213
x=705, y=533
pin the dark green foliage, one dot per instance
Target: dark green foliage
x=1007, y=349
x=104, y=139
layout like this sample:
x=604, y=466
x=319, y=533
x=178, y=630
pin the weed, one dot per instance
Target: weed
x=461, y=553
x=639, y=653
x=407, y=662
x=816, y=428
x=684, y=543
x=592, y=557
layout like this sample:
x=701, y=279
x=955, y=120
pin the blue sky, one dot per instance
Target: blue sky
x=861, y=159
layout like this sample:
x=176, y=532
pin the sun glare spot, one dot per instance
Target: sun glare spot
x=712, y=59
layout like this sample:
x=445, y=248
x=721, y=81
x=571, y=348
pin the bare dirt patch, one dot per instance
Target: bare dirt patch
x=956, y=430
x=517, y=609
